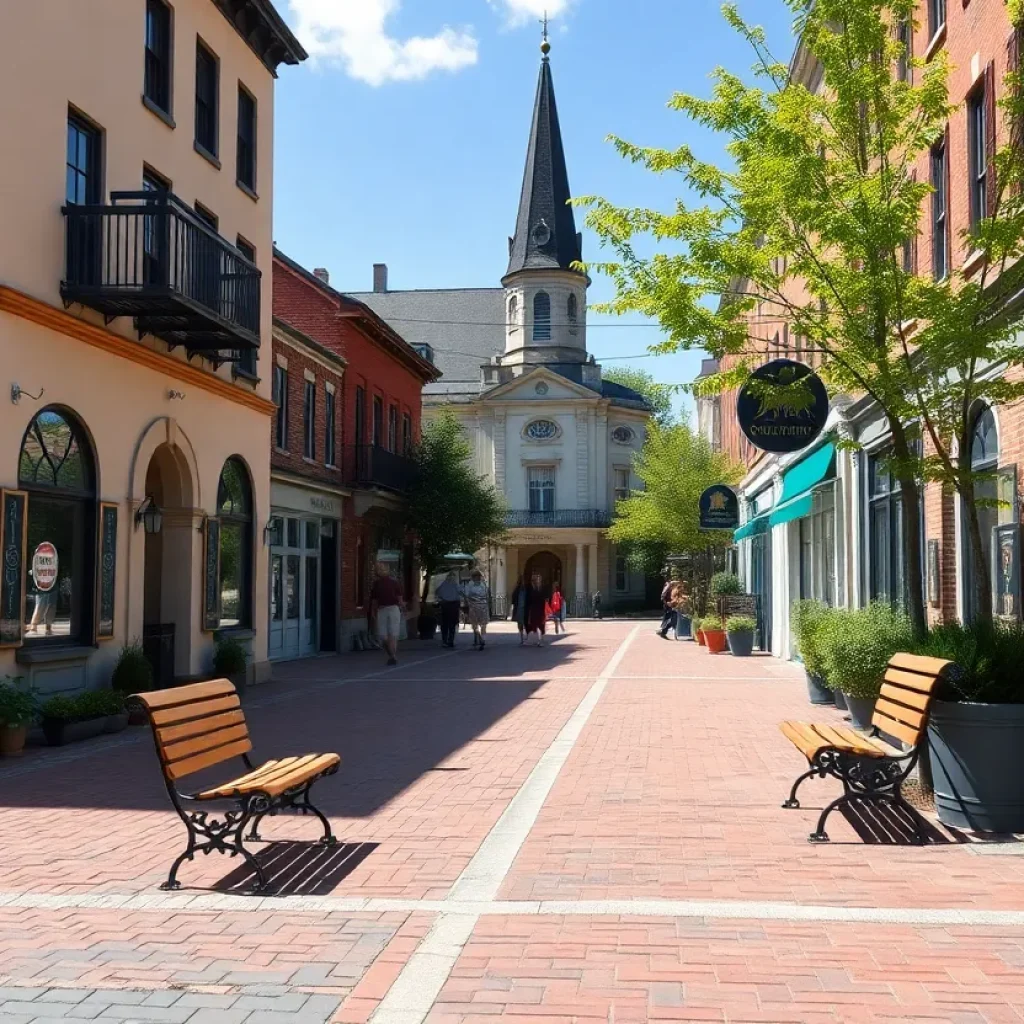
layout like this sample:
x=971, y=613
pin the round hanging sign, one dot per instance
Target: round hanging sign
x=719, y=508
x=44, y=566
x=783, y=406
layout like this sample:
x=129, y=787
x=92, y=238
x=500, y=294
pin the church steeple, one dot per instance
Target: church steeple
x=545, y=237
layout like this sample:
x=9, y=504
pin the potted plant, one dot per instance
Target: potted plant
x=133, y=674
x=18, y=710
x=976, y=727
x=697, y=625
x=739, y=630
x=230, y=659
x=725, y=584
x=856, y=647
x=807, y=618
x=714, y=633
x=81, y=717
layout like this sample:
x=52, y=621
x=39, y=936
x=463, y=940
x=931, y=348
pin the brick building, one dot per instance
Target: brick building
x=378, y=380
x=848, y=549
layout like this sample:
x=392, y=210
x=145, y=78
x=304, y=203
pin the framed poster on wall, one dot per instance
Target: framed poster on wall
x=934, y=587
x=1006, y=571
x=107, y=576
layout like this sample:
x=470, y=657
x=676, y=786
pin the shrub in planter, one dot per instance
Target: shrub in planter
x=855, y=647
x=18, y=710
x=740, y=632
x=697, y=625
x=724, y=584
x=230, y=659
x=976, y=727
x=66, y=719
x=714, y=633
x=133, y=674
x=807, y=618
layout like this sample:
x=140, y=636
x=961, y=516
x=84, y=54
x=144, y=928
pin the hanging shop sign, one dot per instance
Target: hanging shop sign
x=782, y=407
x=44, y=566
x=719, y=508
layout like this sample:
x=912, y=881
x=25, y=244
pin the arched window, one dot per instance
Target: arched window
x=513, y=312
x=572, y=312
x=985, y=460
x=234, y=509
x=542, y=317
x=984, y=441
x=57, y=469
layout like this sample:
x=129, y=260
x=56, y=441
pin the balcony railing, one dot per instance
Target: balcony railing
x=585, y=518
x=149, y=256
x=367, y=465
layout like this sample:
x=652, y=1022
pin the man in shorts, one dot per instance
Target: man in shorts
x=387, y=605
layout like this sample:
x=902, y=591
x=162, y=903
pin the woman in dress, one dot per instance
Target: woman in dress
x=536, y=604
x=518, y=604
x=478, y=600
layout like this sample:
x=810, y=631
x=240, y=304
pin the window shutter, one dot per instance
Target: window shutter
x=990, y=138
x=106, y=581
x=211, y=574
x=13, y=540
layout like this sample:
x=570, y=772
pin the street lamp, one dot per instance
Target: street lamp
x=150, y=515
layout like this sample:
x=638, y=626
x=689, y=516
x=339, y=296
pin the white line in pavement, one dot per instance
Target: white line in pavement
x=414, y=991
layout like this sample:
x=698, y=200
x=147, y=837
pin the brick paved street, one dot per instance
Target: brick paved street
x=589, y=831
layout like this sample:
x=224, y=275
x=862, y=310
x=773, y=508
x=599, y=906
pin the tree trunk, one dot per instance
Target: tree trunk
x=982, y=574
x=911, y=497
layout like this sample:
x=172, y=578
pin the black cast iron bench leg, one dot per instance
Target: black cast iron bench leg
x=792, y=801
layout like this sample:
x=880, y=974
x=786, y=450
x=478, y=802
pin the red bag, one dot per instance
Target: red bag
x=556, y=602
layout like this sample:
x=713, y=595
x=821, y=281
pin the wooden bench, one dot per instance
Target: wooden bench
x=867, y=765
x=203, y=725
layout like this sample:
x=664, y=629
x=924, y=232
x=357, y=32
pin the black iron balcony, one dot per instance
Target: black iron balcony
x=149, y=256
x=581, y=518
x=367, y=465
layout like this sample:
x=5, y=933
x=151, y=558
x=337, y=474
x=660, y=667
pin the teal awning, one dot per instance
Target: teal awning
x=795, y=509
x=751, y=528
x=807, y=473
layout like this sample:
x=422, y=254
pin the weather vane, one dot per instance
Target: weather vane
x=545, y=46
x=544, y=22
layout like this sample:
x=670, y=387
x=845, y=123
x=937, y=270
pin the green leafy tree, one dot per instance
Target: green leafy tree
x=815, y=217
x=658, y=395
x=450, y=507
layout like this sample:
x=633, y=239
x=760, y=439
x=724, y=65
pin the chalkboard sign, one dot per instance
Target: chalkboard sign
x=13, y=536
x=737, y=604
x=108, y=571
x=211, y=576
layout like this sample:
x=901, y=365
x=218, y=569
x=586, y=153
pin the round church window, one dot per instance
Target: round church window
x=542, y=430
x=541, y=388
x=623, y=435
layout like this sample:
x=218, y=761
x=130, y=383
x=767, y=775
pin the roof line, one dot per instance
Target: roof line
x=406, y=291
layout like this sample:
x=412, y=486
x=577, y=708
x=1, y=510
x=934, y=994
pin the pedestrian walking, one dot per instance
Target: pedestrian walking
x=536, y=603
x=558, y=609
x=668, y=616
x=386, y=606
x=518, y=605
x=478, y=598
x=596, y=602
x=449, y=596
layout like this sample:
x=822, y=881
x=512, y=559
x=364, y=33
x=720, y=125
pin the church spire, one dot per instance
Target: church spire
x=545, y=237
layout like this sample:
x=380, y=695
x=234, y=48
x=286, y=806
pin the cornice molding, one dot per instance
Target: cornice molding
x=42, y=313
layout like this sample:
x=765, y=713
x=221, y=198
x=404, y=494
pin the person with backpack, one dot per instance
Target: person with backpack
x=558, y=608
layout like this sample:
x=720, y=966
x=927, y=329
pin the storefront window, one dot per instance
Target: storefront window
x=818, y=549
x=887, y=573
x=56, y=469
x=234, y=507
x=984, y=461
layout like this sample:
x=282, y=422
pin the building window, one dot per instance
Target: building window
x=329, y=455
x=82, y=184
x=905, y=40
x=207, y=87
x=940, y=212
x=572, y=313
x=157, y=87
x=378, y=421
x=542, y=317
x=424, y=351
x=246, y=152
x=984, y=461
x=621, y=483
x=886, y=570
x=281, y=400
x=977, y=150
x=936, y=16
x=248, y=357
x=56, y=468
x=621, y=574
x=541, y=480
x=818, y=549
x=360, y=416
x=406, y=434
x=360, y=574
x=309, y=420
x=234, y=508
x=393, y=428
x=541, y=430
x=154, y=234
x=513, y=312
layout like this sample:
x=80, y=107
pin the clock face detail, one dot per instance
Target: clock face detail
x=541, y=430
x=623, y=435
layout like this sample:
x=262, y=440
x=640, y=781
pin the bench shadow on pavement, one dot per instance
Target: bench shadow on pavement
x=297, y=869
x=878, y=824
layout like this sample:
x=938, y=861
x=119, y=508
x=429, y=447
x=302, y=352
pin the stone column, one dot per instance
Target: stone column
x=592, y=572
x=501, y=581
x=581, y=579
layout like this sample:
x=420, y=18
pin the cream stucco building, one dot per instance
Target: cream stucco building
x=134, y=296
x=554, y=437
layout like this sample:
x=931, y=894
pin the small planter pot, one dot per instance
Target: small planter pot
x=818, y=692
x=716, y=640
x=977, y=761
x=12, y=740
x=700, y=638
x=861, y=710
x=840, y=698
x=59, y=732
x=741, y=643
x=116, y=723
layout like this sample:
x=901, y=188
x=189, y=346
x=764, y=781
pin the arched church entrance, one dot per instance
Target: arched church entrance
x=547, y=564
x=167, y=592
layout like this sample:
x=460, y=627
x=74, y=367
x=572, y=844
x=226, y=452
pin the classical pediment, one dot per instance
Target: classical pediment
x=539, y=385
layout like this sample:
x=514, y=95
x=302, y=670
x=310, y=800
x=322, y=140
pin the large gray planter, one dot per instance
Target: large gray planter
x=977, y=759
x=861, y=710
x=840, y=698
x=741, y=642
x=817, y=691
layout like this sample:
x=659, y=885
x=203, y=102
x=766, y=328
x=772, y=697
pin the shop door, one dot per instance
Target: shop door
x=295, y=589
x=761, y=584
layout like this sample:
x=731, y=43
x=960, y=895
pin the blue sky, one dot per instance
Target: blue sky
x=403, y=140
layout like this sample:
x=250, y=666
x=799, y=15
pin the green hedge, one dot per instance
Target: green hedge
x=855, y=646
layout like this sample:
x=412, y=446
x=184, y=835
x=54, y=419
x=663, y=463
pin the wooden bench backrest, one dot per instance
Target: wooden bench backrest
x=907, y=691
x=196, y=726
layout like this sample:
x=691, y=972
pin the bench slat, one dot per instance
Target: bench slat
x=205, y=760
x=910, y=680
x=199, y=726
x=909, y=698
x=186, y=694
x=891, y=727
x=268, y=779
x=197, y=710
x=910, y=718
x=919, y=663
x=174, y=752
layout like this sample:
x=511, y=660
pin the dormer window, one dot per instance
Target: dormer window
x=423, y=350
x=572, y=313
x=542, y=317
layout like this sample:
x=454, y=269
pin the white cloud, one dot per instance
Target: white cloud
x=352, y=33
x=521, y=11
